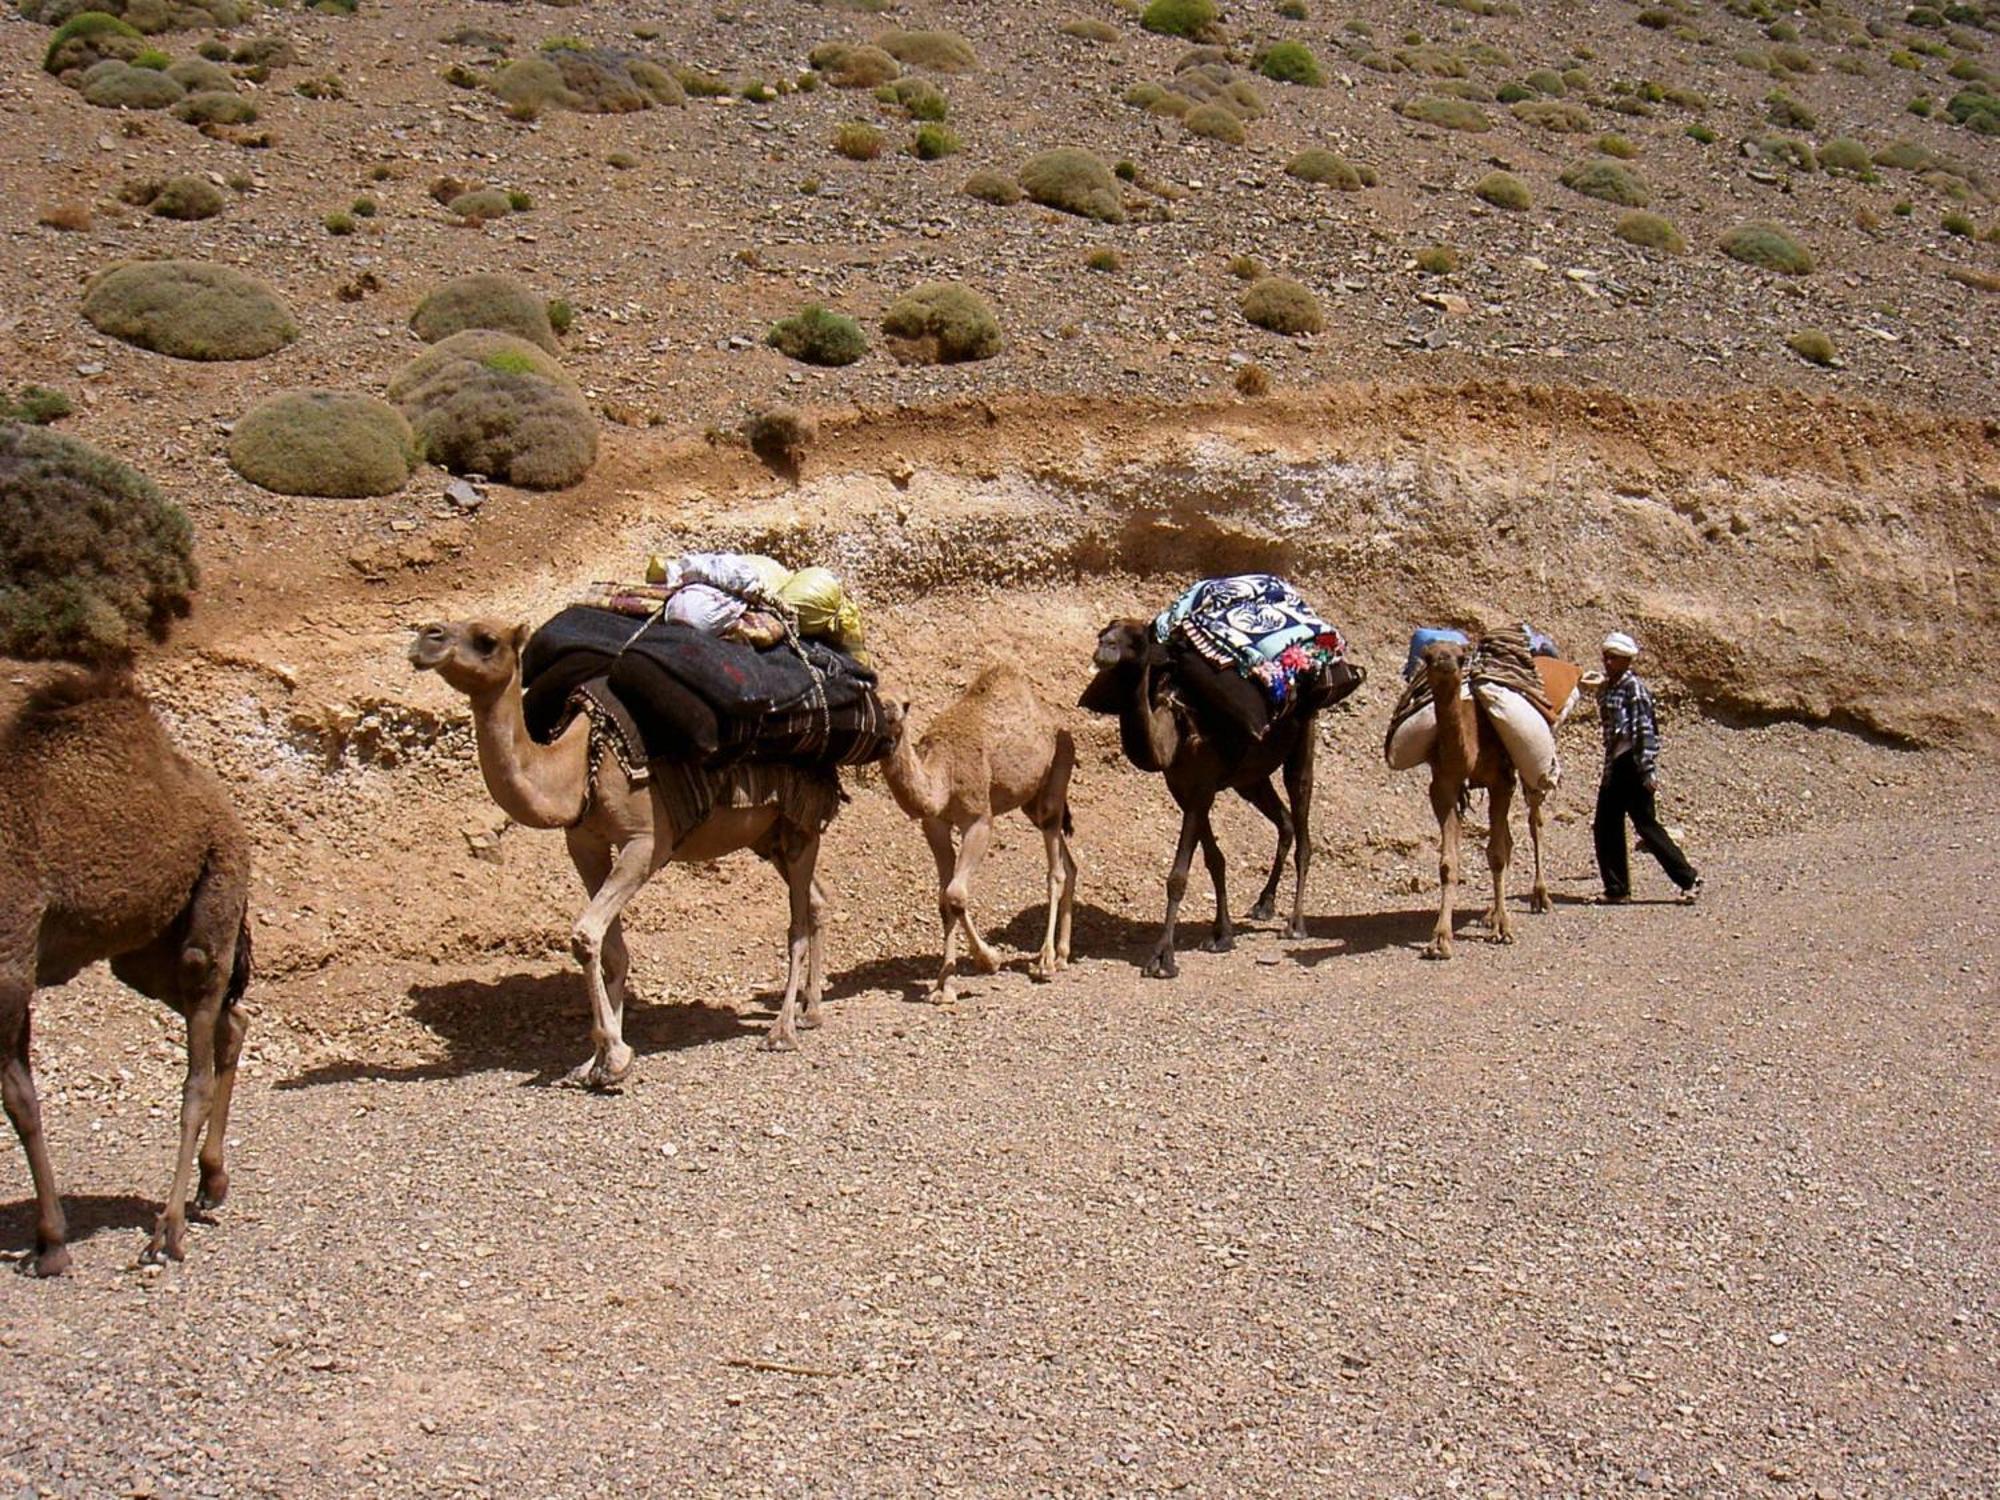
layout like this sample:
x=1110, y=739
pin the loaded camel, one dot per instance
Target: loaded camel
x=1467, y=753
x=1202, y=758
x=114, y=846
x=620, y=834
x=995, y=749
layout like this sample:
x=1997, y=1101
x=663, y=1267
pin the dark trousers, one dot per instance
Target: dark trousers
x=1624, y=794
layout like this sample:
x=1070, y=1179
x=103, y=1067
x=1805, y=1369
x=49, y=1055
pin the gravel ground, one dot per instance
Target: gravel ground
x=1695, y=1199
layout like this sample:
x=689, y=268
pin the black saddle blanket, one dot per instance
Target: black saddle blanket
x=699, y=698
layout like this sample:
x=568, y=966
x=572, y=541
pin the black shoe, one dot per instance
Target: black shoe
x=1607, y=899
x=1692, y=893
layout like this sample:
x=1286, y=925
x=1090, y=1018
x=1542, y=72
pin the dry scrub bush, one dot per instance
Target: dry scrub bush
x=71, y=218
x=817, y=336
x=992, y=187
x=186, y=198
x=91, y=555
x=918, y=98
x=86, y=39
x=36, y=405
x=484, y=299
x=1192, y=19
x=942, y=323
x=1253, y=380
x=1608, y=181
x=1764, y=244
x=1445, y=113
x=119, y=85
x=1329, y=169
x=587, y=80
x=846, y=66
x=780, y=435
x=1090, y=30
x=1437, y=260
x=1282, y=305
x=1504, y=190
x=335, y=444
x=189, y=309
x=214, y=107
x=1215, y=122
x=857, y=141
x=1554, y=114
x=1650, y=232
x=936, y=51
x=200, y=76
x=483, y=402
x=1074, y=182
x=1291, y=62
x=1812, y=346
x=934, y=143
x=481, y=204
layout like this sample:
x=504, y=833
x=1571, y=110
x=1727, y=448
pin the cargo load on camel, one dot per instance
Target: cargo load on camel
x=1525, y=695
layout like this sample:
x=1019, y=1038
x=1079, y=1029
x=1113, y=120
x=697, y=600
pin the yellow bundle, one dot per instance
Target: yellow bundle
x=823, y=608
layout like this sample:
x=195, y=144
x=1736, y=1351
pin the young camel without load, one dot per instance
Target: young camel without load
x=113, y=846
x=997, y=748
x=618, y=834
x=1467, y=753
x=1202, y=760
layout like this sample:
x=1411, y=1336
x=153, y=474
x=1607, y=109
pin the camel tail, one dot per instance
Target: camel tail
x=240, y=970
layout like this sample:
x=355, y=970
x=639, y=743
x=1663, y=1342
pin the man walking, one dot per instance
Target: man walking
x=1631, y=751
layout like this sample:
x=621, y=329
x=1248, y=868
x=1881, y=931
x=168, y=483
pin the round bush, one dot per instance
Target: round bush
x=850, y=67
x=1608, y=181
x=119, y=85
x=1445, y=113
x=200, y=76
x=186, y=198
x=816, y=336
x=1291, y=62
x=482, y=204
x=1554, y=114
x=1282, y=305
x=942, y=322
x=214, y=107
x=86, y=39
x=1764, y=244
x=1845, y=154
x=1650, y=231
x=1074, y=182
x=91, y=555
x=484, y=402
x=1504, y=190
x=589, y=80
x=1188, y=18
x=996, y=188
x=1215, y=123
x=937, y=51
x=1329, y=169
x=1813, y=346
x=189, y=309
x=337, y=444
x=484, y=299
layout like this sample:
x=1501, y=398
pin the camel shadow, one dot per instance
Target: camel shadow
x=526, y=1023
x=1355, y=933
x=88, y=1214
x=1563, y=900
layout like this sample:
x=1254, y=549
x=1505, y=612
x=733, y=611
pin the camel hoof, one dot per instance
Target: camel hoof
x=214, y=1191
x=1263, y=911
x=1042, y=970
x=1220, y=942
x=777, y=1041
x=169, y=1242
x=1296, y=930
x=1542, y=903
x=51, y=1262
x=810, y=1019
x=1501, y=935
x=1161, y=966
x=1437, y=950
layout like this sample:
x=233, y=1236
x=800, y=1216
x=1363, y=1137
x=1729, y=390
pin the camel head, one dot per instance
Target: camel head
x=896, y=718
x=1444, y=665
x=478, y=657
x=1122, y=643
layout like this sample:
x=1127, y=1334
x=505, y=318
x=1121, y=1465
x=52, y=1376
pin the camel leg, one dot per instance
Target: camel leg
x=1061, y=880
x=204, y=1021
x=1540, y=901
x=1050, y=811
x=958, y=894
x=1161, y=965
x=17, y=1088
x=230, y=1029
x=1299, y=787
x=1222, y=936
x=1264, y=797
x=937, y=833
x=1499, y=852
x=592, y=859
x=811, y=1020
x=611, y=1060
x=1444, y=802
x=798, y=868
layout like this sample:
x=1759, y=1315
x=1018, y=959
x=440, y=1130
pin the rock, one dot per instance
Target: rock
x=463, y=495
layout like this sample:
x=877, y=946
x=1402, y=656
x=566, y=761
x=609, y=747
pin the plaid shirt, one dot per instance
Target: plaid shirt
x=1626, y=709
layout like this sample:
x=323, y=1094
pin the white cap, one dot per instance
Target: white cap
x=1618, y=643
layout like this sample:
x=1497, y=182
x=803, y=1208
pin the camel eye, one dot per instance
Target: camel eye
x=485, y=644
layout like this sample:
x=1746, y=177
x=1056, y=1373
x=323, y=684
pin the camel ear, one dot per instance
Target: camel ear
x=520, y=636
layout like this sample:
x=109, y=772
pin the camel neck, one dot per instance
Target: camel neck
x=915, y=786
x=538, y=786
x=1458, y=726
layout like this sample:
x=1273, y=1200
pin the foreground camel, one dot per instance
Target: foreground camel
x=113, y=846
x=618, y=834
x=1469, y=753
x=997, y=748
x=1201, y=761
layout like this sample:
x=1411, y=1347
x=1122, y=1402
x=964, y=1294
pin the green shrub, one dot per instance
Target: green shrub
x=934, y=143
x=1958, y=224
x=198, y=76
x=1504, y=190
x=1090, y=30
x=846, y=66
x=942, y=323
x=920, y=99
x=481, y=204
x=858, y=141
x=1216, y=123
x=519, y=202
x=1282, y=305
x=1103, y=258
x=1649, y=231
x=1560, y=115
x=1782, y=110
x=1246, y=268
x=1329, y=169
x=1292, y=10
x=214, y=107
x=937, y=51
x=339, y=222
x=119, y=85
x=91, y=555
x=1074, y=182
x=1447, y=113
x=36, y=405
x=1845, y=154
x=188, y=309
x=1608, y=181
x=1759, y=243
x=1291, y=62
x=996, y=188
x=588, y=80
x=1906, y=156
x=816, y=336
x=77, y=42
x=1977, y=109
x=154, y=58
x=334, y=444
x=621, y=161
x=1188, y=18
x=1437, y=260
x=364, y=208
x=1795, y=154
x=562, y=315
x=1618, y=146
x=1701, y=133
x=484, y=402
x=484, y=299
x=1813, y=346
x=186, y=198
x=1547, y=81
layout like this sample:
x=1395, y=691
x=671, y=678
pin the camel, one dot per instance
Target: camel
x=995, y=749
x=1468, y=752
x=1201, y=760
x=114, y=846
x=618, y=835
